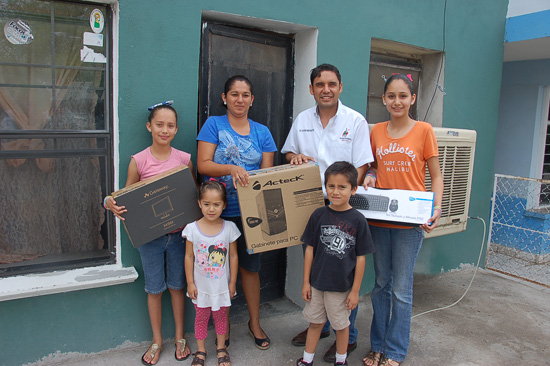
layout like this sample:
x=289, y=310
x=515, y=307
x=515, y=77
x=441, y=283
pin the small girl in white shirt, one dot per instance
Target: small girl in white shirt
x=211, y=265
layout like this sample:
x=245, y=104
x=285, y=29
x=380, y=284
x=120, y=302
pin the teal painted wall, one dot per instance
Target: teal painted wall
x=158, y=59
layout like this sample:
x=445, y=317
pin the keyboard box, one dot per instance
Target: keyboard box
x=159, y=205
x=277, y=203
x=394, y=205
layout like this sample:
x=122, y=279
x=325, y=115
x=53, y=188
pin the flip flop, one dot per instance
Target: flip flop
x=154, y=349
x=181, y=344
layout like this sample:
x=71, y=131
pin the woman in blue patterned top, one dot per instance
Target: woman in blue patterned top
x=228, y=147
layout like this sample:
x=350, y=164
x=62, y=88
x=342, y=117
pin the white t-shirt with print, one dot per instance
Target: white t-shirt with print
x=211, y=268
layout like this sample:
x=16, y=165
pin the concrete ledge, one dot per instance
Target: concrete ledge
x=32, y=285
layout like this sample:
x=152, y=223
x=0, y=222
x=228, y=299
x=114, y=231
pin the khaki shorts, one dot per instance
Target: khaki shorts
x=328, y=304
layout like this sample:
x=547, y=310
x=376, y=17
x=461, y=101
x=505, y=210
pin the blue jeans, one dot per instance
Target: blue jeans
x=353, y=332
x=163, y=263
x=394, y=260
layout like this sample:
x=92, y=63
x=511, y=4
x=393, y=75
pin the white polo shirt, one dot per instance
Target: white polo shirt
x=345, y=138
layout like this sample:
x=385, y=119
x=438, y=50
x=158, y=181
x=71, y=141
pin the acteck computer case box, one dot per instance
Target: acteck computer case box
x=394, y=205
x=159, y=205
x=277, y=203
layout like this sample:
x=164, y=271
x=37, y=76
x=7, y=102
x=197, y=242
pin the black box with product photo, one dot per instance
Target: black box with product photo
x=159, y=205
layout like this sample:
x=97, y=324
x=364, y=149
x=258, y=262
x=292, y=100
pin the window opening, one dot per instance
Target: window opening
x=55, y=136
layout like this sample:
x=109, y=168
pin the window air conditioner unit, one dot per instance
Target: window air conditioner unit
x=456, y=159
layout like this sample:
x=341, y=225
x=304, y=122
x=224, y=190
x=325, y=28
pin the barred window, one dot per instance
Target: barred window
x=55, y=136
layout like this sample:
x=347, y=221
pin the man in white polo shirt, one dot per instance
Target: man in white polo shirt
x=326, y=133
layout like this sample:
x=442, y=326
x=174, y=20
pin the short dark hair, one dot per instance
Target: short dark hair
x=316, y=72
x=344, y=168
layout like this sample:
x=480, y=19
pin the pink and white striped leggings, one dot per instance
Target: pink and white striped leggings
x=201, y=321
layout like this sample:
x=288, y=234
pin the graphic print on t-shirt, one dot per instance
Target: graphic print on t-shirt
x=395, y=158
x=235, y=150
x=336, y=241
x=211, y=259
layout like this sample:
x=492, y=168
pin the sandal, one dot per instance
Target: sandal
x=155, y=347
x=373, y=357
x=258, y=342
x=225, y=358
x=181, y=344
x=197, y=361
x=389, y=362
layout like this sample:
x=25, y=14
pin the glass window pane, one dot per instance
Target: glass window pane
x=25, y=75
x=28, y=26
x=72, y=21
x=25, y=108
x=52, y=183
x=51, y=213
x=79, y=107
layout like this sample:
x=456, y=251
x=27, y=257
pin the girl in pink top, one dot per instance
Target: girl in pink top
x=162, y=258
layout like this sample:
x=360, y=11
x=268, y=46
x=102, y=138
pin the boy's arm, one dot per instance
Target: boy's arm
x=233, y=268
x=308, y=261
x=353, y=297
x=189, y=270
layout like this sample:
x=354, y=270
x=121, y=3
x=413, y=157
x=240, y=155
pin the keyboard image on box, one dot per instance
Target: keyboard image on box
x=369, y=202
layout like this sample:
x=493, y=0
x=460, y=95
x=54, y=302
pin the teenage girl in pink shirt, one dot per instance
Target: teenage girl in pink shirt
x=162, y=258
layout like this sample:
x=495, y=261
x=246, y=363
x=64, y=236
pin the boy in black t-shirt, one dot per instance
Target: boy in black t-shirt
x=338, y=239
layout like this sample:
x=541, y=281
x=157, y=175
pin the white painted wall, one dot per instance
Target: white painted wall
x=521, y=7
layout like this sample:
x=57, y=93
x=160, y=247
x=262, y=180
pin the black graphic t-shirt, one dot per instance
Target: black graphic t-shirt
x=337, y=238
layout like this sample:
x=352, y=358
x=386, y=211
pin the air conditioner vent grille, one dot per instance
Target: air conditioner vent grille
x=455, y=161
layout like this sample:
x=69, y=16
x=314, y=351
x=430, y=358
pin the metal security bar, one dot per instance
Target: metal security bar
x=519, y=240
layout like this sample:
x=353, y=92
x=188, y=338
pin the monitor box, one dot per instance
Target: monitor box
x=394, y=205
x=277, y=203
x=159, y=205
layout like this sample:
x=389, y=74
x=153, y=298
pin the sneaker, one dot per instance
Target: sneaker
x=301, y=362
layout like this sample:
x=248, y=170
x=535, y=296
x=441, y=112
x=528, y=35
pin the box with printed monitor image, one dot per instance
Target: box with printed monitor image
x=159, y=205
x=277, y=203
x=394, y=205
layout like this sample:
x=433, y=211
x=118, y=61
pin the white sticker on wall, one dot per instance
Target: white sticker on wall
x=89, y=55
x=97, y=21
x=92, y=39
x=18, y=31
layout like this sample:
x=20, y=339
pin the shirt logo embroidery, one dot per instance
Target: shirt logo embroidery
x=344, y=136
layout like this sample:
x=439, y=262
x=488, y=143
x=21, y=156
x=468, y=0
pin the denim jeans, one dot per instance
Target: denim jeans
x=353, y=332
x=163, y=263
x=394, y=260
